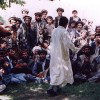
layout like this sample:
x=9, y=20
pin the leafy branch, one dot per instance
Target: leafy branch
x=7, y=3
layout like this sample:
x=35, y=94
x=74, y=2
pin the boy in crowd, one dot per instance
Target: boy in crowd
x=71, y=29
x=75, y=16
x=49, y=27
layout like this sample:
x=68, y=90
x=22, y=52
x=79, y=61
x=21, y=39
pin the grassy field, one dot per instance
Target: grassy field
x=31, y=91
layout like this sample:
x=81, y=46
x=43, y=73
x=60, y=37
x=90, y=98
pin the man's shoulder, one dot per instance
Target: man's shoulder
x=60, y=30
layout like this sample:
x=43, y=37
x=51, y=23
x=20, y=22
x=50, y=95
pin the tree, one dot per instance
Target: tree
x=7, y=3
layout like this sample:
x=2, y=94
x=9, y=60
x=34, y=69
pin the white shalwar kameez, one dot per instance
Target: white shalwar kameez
x=60, y=66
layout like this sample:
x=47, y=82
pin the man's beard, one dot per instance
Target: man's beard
x=87, y=54
x=38, y=20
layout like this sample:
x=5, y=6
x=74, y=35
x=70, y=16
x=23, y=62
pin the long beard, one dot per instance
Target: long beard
x=38, y=20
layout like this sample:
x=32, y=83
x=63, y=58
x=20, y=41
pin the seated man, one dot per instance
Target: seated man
x=96, y=45
x=5, y=70
x=23, y=64
x=96, y=75
x=82, y=66
x=41, y=66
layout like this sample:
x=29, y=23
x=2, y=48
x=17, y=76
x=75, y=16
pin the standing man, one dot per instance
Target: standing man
x=60, y=65
x=44, y=16
x=60, y=12
x=39, y=26
x=28, y=33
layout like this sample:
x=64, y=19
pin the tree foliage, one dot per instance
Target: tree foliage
x=7, y=3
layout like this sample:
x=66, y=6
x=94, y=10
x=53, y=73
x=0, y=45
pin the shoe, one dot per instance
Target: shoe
x=54, y=91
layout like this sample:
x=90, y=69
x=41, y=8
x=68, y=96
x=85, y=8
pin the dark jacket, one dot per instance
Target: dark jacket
x=71, y=19
x=57, y=21
x=38, y=67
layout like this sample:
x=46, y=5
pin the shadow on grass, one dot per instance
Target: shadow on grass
x=31, y=91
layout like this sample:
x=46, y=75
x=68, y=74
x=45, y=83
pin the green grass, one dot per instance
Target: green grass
x=31, y=91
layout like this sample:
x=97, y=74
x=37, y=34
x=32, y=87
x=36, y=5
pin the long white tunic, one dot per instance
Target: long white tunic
x=60, y=65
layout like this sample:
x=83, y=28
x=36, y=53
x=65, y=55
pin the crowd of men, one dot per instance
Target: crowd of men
x=25, y=48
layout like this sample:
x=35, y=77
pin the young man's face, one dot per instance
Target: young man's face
x=97, y=39
x=13, y=22
x=92, y=37
x=4, y=45
x=87, y=51
x=98, y=30
x=60, y=13
x=12, y=53
x=17, y=24
x=27, y=20
x=49, y=21
x=72, y=25
x=44, y=15
x=42, y=56
x=79, y=26
x=75, y=14
x=25, y=55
